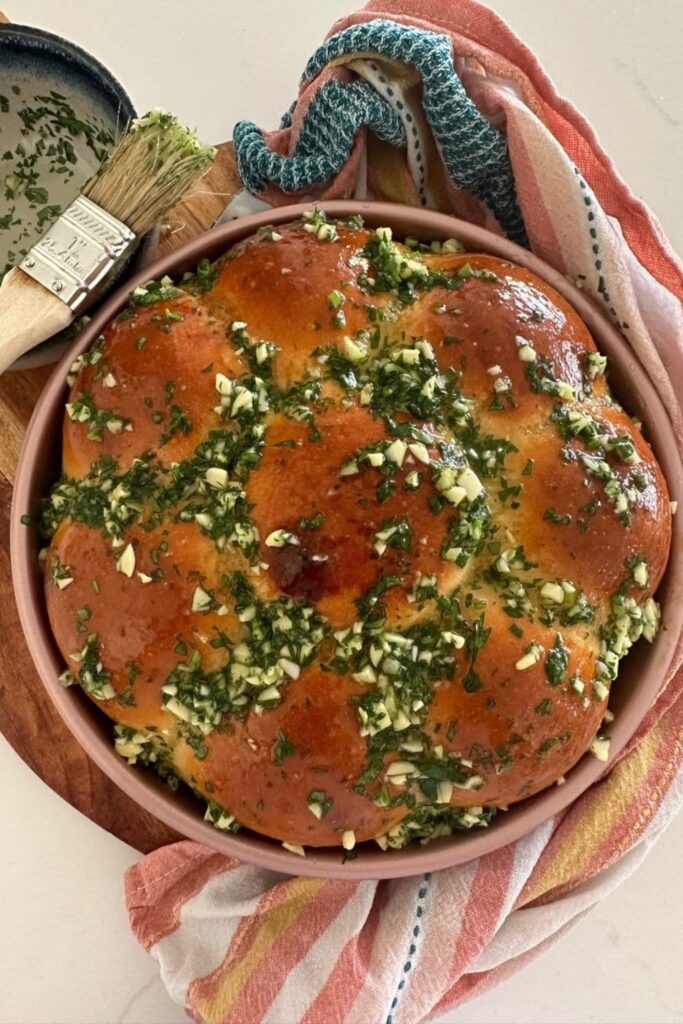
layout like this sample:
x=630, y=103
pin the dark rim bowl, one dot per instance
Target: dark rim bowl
x=643, y=673
x=41, y=50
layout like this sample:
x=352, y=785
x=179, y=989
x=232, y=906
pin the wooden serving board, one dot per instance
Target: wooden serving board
x=28, y=719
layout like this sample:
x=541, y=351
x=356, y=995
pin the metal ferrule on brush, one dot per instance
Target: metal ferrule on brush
x=75, y=258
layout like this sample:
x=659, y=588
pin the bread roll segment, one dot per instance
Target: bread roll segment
x=352, y=536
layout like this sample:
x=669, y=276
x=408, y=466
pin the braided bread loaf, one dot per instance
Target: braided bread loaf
x=351, y=535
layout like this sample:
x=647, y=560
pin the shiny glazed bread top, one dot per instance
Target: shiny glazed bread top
x=351, y=535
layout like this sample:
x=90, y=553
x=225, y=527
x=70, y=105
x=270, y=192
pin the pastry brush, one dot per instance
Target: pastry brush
x=149, y=170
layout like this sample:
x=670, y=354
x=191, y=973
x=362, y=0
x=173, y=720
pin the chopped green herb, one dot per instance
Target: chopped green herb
x=560, y=519
x=314, y=523
x=556, y=662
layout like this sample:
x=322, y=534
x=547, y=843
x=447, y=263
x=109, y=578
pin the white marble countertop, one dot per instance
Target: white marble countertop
x=68, y=956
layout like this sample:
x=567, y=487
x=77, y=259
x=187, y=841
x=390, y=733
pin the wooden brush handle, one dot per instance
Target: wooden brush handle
x=29, y=314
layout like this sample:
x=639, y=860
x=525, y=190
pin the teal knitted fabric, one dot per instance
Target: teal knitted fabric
x=474, y=153
x=333, y=118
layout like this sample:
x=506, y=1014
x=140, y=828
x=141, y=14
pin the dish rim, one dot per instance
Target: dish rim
x=650, y=664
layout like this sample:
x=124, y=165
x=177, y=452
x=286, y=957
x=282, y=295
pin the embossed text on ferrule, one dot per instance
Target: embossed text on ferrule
x=78, y=253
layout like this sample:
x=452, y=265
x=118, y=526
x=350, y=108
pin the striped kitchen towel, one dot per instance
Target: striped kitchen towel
x=436, y=104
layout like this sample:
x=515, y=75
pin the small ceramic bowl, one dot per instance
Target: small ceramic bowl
x=60, y=113
x=640, y=679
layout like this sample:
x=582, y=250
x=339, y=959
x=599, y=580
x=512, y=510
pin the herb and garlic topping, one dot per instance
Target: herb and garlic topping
x=351, y=536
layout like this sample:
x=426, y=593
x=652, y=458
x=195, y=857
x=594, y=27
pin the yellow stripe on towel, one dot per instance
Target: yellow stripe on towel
x=275, y=922
x=592, y=831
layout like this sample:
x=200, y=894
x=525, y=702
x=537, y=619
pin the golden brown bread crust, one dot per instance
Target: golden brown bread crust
x=352, y=517
x=523, y=688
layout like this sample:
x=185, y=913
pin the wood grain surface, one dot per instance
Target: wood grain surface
x=27, y=718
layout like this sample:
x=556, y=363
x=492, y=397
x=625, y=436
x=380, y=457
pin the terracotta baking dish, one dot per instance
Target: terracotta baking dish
x=642, y=674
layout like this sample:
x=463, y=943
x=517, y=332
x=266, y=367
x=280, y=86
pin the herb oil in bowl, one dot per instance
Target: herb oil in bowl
x=61, y=112
x=48, y=153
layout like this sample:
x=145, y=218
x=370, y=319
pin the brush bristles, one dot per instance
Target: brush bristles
x=149, y=170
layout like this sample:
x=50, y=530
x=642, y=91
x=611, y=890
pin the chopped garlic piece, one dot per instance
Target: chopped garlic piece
x=348, y=839
x=552, y=592
x=224, y=385
x=532, y=656
x=597, y=364
x=366, y=675
x=455, y=494
x=279, y=538
x=396, y=452
x=600, y=690
x=354, y=351
x=295, y=848
x=365, y=396
x=201, y=600
x=640, y=573
x=216, y=476
x=420, y=452
x=600, y=747
x=125, y=563
x=400, y=768
x=452, y=245
x=244, y=400
x=444, y=792
x=565, y=391
x=471, y=482
x=290, y=668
